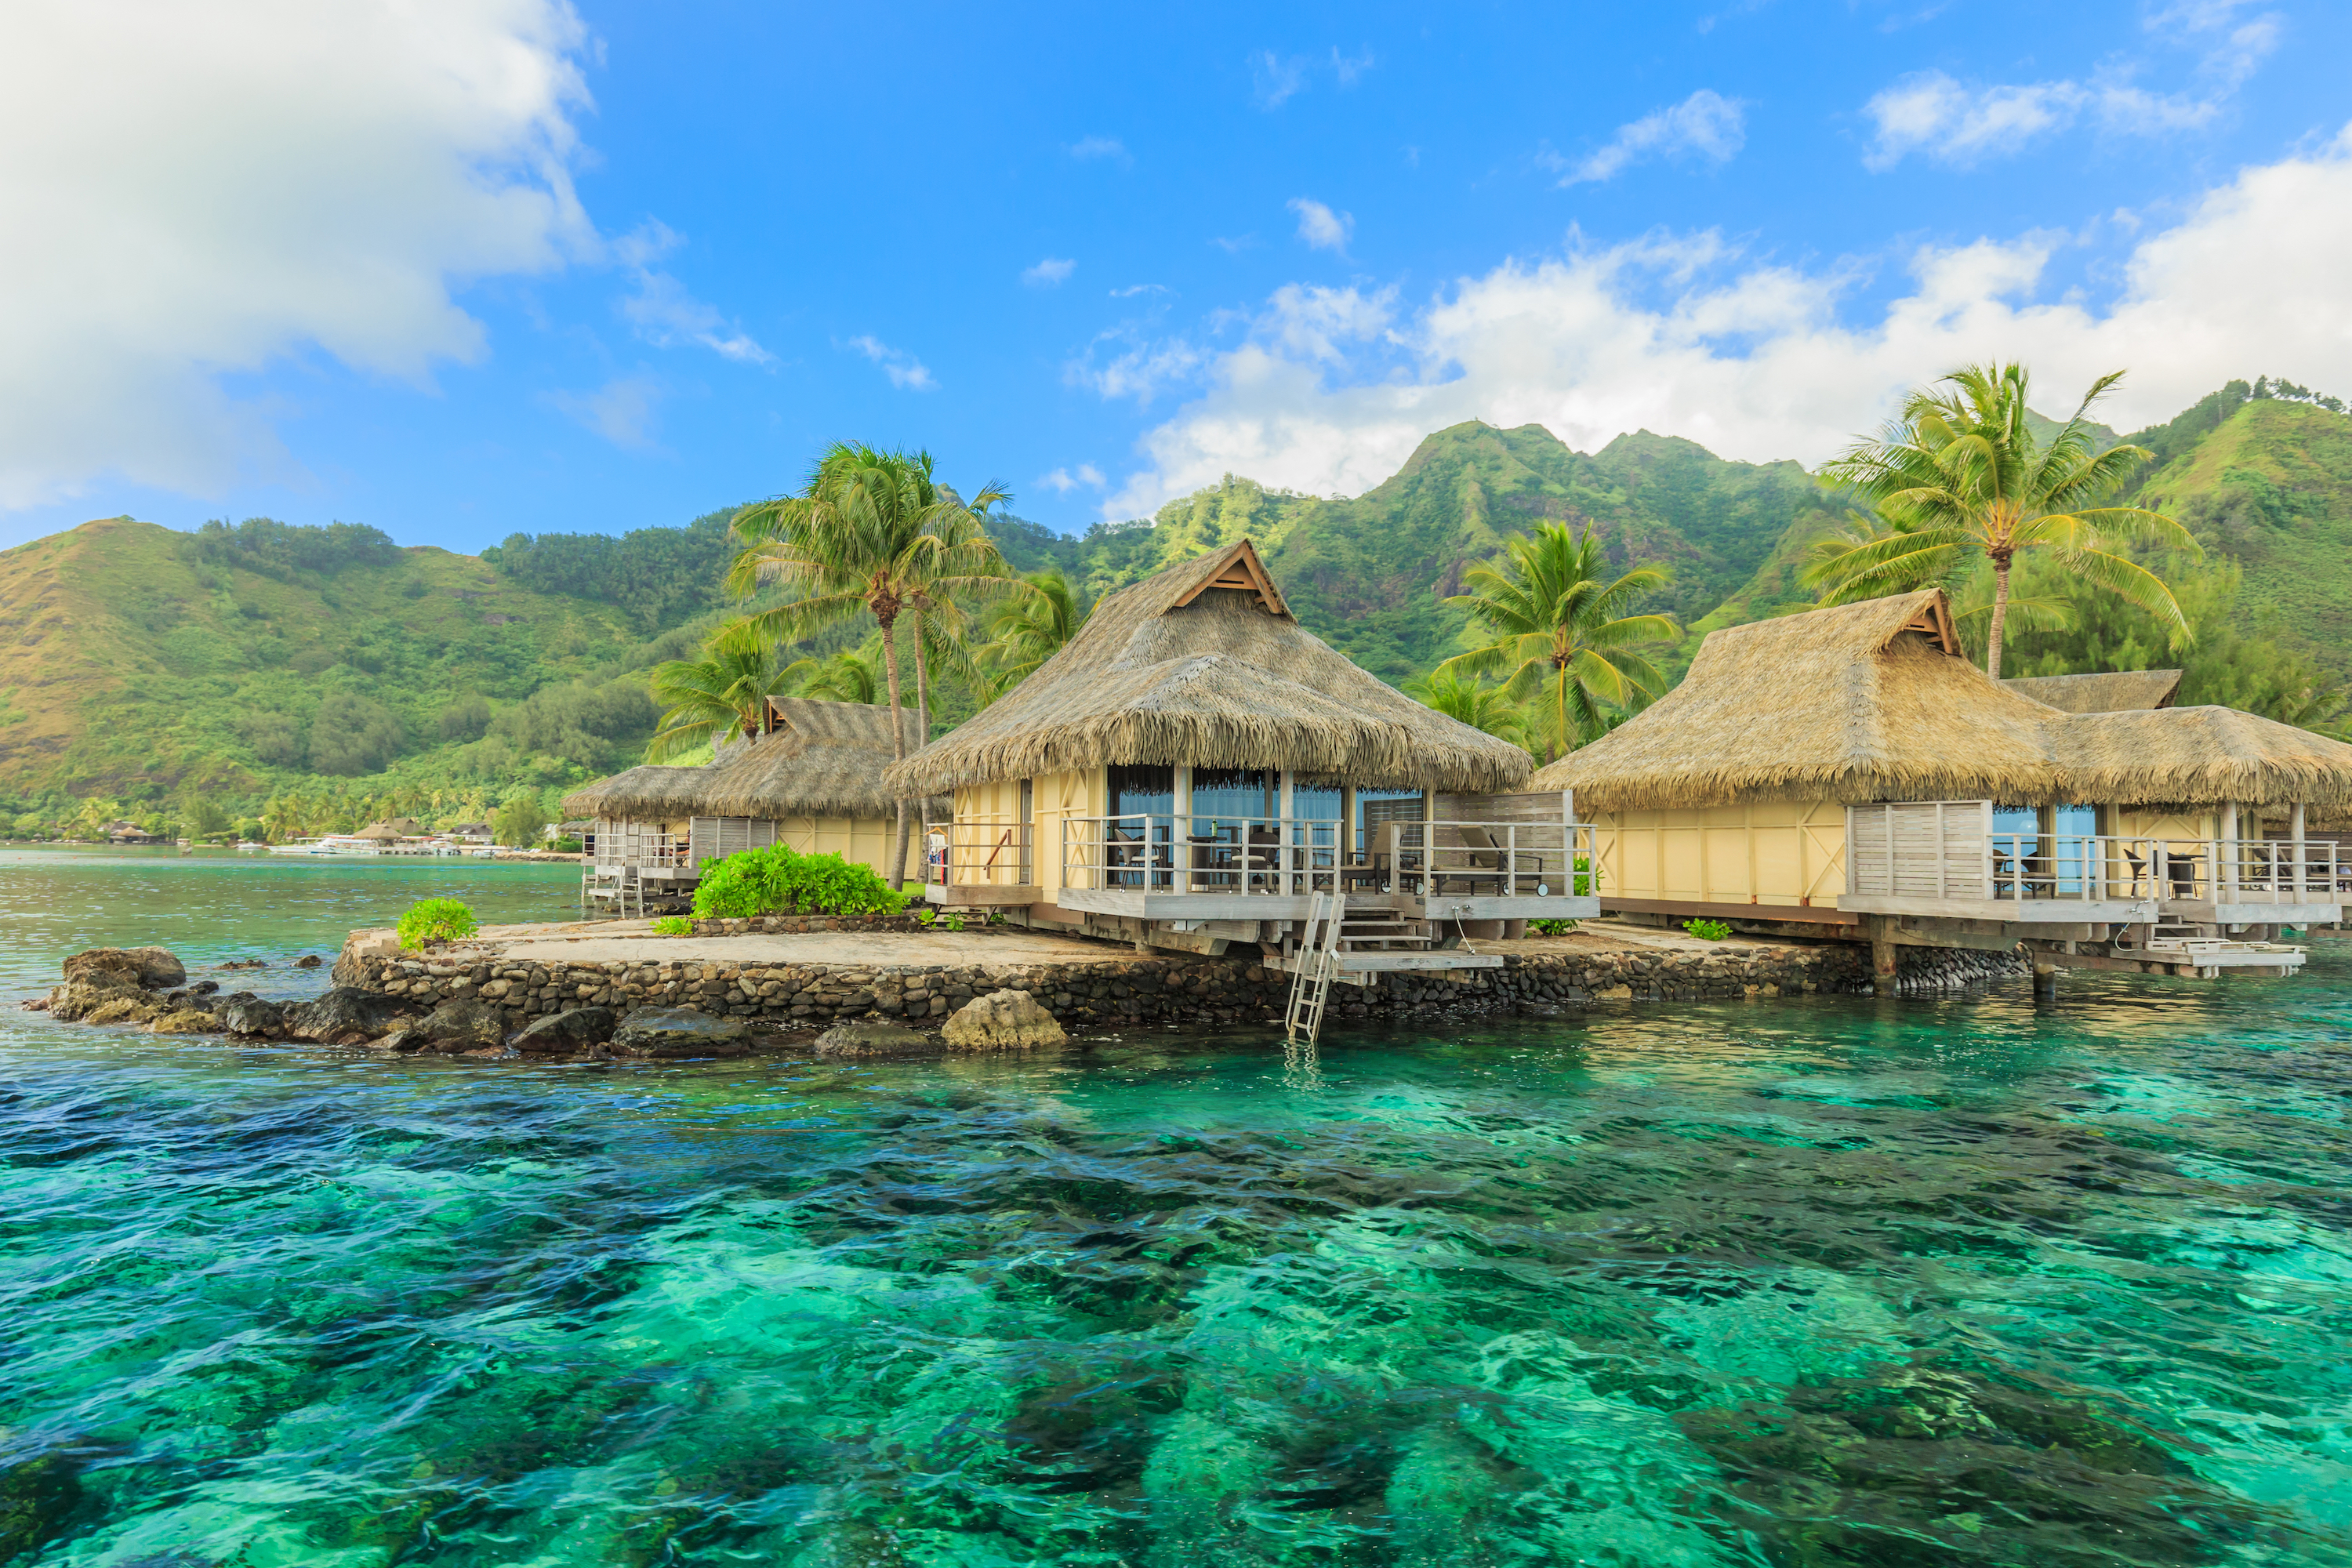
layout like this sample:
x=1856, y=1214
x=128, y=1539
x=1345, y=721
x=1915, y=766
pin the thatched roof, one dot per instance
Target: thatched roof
x=1877, y=702
x=2105, y=691
x=818, y=759
x=2200, y=756
x=382, y=832
x=1203, y=663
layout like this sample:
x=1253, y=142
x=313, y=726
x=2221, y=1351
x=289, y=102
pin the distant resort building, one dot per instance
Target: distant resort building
x=1194, y=768
x=811, y=778
x=124, y=831
x=1848, y=772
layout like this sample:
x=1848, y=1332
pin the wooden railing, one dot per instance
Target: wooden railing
x=1293, y=857
x=1167, y=854
x=2244, y=871
x=1487, y=859
x=1931, y=850
x=979, y=852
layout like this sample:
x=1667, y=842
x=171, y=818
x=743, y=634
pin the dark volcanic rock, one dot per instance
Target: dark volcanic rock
x=144, y=968
x=309, y=960
x=872, y=1037
x=464, y=1025
x=344, y=1015
x=566, y=1034
x=672, y=1033
x=252, y=1016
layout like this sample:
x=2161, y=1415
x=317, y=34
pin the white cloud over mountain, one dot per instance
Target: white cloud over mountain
x=195, y=191
x=1329, y=390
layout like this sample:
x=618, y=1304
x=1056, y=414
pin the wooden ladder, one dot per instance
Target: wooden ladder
x=1317, y=962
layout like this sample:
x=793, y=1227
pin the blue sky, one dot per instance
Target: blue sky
x=460, y=270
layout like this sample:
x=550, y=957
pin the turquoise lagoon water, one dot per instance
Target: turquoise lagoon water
x=1807, y=1281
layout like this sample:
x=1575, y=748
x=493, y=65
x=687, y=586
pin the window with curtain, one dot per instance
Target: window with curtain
x=1366, y=816
x=1234, y=792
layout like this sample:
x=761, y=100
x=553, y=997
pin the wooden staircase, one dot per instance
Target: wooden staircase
x=1355, y=938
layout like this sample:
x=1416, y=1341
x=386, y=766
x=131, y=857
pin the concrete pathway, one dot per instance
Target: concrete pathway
x=633, y=941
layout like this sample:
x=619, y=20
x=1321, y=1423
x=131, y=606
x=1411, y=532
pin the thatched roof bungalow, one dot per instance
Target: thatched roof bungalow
x=2101, y=691
x=1847, y=757
x=1193, y=741
x=812, y=778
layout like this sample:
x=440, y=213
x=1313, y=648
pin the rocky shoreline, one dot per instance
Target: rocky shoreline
x=470, y=1002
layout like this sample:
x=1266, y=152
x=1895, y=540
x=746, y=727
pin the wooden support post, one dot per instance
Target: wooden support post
x=1287, y=884
x=2295, y=842
x=1881, y=930
x=1180, y=832
x=2045, y=982
x=2225, y=876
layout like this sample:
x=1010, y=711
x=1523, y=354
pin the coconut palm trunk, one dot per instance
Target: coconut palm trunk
x=922, y=726
x=889, y=619
x=2000, y=565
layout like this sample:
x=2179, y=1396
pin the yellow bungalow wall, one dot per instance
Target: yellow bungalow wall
x=1785, y=852
x=863, y=839
x=986, y=813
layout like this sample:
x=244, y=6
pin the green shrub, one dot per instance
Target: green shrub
x=1585, y=878
x=436, y=919
x=1706, y=930
x=782, y=881
x=1550, y=928
x=673, y=925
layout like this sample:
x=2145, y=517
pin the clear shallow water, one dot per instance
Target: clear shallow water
x=1807, y=1281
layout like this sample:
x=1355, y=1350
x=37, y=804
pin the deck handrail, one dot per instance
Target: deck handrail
x=1503, y=859
x=1291, y=856
x=1169, y=852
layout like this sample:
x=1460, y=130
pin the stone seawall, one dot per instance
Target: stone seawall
x=1120, y=990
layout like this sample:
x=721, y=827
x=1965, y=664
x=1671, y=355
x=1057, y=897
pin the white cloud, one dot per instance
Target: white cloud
x=1930, y=113
x=1276, y=80
x=1061, y=481
x=1132, y=289
x=198, y=191
x=1095, y=147
x=1706, y=125
x=907, y=372
x=1322, y=227
x=1050, y=273
x=1142, y=370
x=1348, y=67
x=622, y=410
x=661, y=310
x=1330, y=390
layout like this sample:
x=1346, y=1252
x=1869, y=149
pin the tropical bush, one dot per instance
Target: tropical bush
x=781, y=880
x=1706, y=930
x=1550, y=928
x=673, y=925
x=436, y=919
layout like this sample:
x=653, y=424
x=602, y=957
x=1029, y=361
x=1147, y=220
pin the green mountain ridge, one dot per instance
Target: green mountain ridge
x=137, y=661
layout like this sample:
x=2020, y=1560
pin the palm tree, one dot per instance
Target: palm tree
x=1030, y=627
x=709, y=698
x=1559, y=627
x=1958, y=473
x=849, y=676
x=962, y=566
x=1472, y=702
x=869, y=531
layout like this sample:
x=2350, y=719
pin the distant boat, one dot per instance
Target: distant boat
x=331, y=844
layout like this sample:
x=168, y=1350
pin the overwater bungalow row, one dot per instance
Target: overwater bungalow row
x=1196, y=770
x=810, y=777
x=1848, y=772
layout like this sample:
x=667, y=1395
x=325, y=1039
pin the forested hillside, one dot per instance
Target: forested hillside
x=137, y=664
